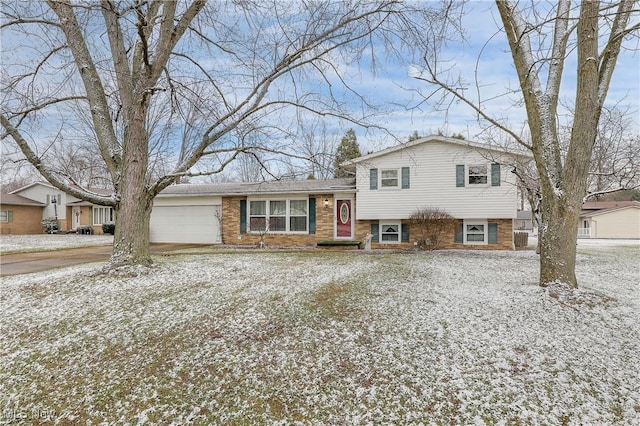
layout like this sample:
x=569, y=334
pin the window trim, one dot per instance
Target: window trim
x=95, y=215
x=382, y=224
x=267, y=216
x=398, y=179
x=487, y=175
x=4, y=216
x=485, y=234
x=251, y=216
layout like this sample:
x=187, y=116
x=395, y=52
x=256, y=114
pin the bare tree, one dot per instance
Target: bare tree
x=615, y=164
x=133, y=67
x=319, y=145
x=541, y=38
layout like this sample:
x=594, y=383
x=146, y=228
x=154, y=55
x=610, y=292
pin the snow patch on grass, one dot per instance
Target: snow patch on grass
x=449, y=337
x=47, y=242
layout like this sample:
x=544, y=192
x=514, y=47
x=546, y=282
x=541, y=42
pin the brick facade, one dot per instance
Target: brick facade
x=325, y=230
x=505, y=237
x=231, y=226
x=24, y=220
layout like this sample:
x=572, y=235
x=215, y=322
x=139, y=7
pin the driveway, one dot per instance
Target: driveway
x=26, y=263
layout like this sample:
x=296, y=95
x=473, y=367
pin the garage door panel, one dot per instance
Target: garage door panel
x=185, y=224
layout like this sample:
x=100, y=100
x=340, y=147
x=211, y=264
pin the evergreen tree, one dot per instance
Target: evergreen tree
x=347, y=150
x=414, y=136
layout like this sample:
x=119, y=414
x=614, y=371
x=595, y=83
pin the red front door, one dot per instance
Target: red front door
x=343, y=219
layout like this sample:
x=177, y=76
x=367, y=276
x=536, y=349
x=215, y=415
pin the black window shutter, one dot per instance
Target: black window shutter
x=405, y=233
x=373, y=179
x=495, y=174
x=375, y=234
x=459, y=238
x=312, y=215
x=493, y=233
x=405, y=178
x=460, y=175
x=243, y=216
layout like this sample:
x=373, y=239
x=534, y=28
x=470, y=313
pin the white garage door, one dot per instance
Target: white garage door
x=185, y=224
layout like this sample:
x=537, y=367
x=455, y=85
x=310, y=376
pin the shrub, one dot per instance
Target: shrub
x=86, y=230
x=50, y=225
x=109, y=228
x=430, y=225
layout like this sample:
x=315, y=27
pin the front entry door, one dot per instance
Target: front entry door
x=75, y=218
x=344, y=220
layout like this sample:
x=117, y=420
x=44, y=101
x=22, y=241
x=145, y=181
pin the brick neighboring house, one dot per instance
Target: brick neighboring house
x=70, y=212
x=20, y=215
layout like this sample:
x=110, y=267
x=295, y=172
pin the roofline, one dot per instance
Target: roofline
x=30, y=185
x=32, y=204
x=589, y=213
x=249, y=193
x=437, y=138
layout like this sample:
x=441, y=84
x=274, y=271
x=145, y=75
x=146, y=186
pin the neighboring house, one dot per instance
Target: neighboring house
x=471, y=181
x=20, y=215
x=70, y=212
x=610, y=219
x=524, y=221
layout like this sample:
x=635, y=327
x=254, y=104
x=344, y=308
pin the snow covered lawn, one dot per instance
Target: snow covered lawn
x=47, y=242
x=450, y=337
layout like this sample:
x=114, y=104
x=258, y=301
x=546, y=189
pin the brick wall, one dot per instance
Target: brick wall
x=231, y=225
x=26, y=220
x=325, y=230
x=505, y=237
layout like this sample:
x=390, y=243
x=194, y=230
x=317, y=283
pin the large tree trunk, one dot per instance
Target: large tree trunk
x=133, y=211
x=131, y=240
x=557, y=243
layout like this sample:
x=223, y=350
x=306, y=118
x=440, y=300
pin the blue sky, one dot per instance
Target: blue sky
x=393, y=85
x=495, y=73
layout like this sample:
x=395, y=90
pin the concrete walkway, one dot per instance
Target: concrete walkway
x=26, y=263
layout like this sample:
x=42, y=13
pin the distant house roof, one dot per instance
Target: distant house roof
x=30, y=185
x=311, y=186
x=442, y=139
x=18, y=200
x=599, y=205
x=610, y=206
x=98, y=191
x=524, y=215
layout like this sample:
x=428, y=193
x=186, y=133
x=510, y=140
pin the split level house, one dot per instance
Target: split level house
x=470, y=181
x=23, y=210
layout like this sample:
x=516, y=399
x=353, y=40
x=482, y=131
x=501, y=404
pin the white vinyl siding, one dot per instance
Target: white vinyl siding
x=432, y=171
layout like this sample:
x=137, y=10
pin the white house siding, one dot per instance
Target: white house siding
x=39, y=192
x=433, y=184
x=623, y=223
x=185, y=220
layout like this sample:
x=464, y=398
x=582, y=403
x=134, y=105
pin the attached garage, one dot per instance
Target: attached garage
x=185, y=220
